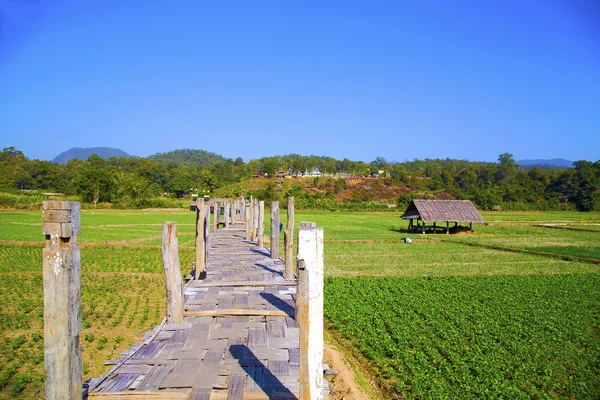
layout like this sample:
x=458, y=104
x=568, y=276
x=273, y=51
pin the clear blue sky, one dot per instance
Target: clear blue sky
x=398, y=79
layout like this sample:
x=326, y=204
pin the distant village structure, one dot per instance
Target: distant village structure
x=420, y=213
x=314, y=172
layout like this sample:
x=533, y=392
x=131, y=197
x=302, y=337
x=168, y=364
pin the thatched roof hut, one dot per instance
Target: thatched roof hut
x=432, y=211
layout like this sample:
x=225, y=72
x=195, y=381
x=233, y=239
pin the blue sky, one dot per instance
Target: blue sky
x=355, y=79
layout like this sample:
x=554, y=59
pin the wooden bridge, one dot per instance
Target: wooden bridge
x=248, y=330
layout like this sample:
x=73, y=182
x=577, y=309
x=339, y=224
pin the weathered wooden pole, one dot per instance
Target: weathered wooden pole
x=206, y=230
x=170, y=255
x=274, y=230
x=248, y=221
x=242, y=209
x=215, y=215
x=309, y=311
x=226, y=213
x=261, y=223
x=62, y=300
x=200, y=272
x=288, y=240
x=255, y=214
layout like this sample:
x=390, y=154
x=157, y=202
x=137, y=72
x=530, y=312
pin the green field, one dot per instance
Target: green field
x=456, y=316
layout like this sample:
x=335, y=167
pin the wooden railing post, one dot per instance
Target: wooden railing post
x=248, y=221
x=242, y=209
x=200, y=272
x=309, y=311
x=173, y=281
x=216, y=212
x=288, y=240
x=226, y=213
x=261, y=223
x=274, y=230
x=255, y=214
x=206, y=230
x=62, y=300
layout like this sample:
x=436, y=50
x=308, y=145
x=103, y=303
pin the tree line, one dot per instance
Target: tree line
x=132, y=181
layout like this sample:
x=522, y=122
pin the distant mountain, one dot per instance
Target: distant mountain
x=188, y=156
x=83, y=154
x=553, y=163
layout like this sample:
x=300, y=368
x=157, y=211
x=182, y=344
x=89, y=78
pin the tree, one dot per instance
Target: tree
x=507, y=167
x=584, y=185
x=93, y=181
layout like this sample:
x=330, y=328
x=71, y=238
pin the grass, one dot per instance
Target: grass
x=123, y=285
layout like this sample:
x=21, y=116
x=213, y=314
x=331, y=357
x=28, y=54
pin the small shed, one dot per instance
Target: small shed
x=423, y=212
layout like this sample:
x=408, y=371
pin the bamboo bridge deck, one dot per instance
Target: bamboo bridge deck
x=238, y=339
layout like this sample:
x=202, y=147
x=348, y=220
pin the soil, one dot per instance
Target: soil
x=343, y=385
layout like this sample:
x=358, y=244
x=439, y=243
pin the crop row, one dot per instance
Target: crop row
x=468, y=337
x=94, y=259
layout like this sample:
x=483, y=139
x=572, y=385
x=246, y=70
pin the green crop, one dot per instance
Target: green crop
x=466, y=337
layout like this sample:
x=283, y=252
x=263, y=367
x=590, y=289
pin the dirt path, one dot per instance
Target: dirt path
x=343, y=385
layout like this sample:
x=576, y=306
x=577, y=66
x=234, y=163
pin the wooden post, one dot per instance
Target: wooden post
x=206, y=231
x=255, y=216
x=274, y=230
x=170, y=255
x=62, y=300
x=215, y=215
x=200, y=240
x=309, y=311
x=248, y=221
x=226, y=213
x=261, y=223
x=434, y=228
x=288, y=240
x=232, y=211
x=447, y=227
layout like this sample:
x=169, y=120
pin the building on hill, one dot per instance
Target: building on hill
x=426, y=212
x=315, y=172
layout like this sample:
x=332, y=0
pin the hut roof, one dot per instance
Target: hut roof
x=443, y=210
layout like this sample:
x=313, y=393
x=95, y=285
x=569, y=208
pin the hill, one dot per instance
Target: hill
x=188, y=156
x=552, y=163
x=83, y=154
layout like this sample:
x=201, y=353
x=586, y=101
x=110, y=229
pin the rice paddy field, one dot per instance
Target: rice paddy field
x=510, y=311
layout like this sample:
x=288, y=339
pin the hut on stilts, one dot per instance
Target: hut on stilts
x=423, y=215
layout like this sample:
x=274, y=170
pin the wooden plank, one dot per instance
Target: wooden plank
x=182, y=354
x=176, y=327
x=280, y=282
x=257, y=395
x=138, y=395
x=276, y=329
x=257, y=337
x=213, y=357
x=139, y=369
x=185, y=374
x=294, y=357
x=200, y=394
x=238, y=311
x=62, y=301
x=235, y=387
x=279, y=367
x=172, y=271
x=149, y=361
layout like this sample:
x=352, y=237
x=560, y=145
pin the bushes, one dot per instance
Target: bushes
x=21, y=201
